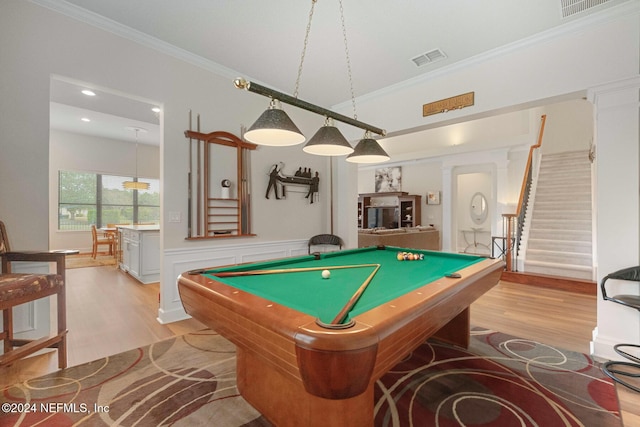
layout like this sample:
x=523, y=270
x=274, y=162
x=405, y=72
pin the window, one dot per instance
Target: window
x=89, y=198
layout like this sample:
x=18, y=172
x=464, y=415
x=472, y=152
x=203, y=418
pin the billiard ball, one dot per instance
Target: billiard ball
x=326, y=274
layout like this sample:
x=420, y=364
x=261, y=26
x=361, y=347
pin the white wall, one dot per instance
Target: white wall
x=558, y=65
x=618, y=207
x=37, y=43
x=568, y=129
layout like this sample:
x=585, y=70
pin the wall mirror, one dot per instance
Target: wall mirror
x=478, y=208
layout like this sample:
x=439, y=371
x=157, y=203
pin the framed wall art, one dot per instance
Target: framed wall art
x=433, y=197
x=388, y=179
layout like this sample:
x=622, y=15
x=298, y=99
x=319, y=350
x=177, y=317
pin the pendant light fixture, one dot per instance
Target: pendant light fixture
x=328, y=141
x=135, y=184
x=275, y=128
x=368, y=151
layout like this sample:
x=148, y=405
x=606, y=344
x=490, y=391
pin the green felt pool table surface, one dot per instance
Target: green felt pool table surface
x=298, y=371
x=310, y=293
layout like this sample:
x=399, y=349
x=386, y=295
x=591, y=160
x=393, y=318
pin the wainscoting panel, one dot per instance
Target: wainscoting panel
x=178, y=261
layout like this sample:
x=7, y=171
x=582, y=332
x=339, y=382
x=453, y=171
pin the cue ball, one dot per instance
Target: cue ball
x=326, y=274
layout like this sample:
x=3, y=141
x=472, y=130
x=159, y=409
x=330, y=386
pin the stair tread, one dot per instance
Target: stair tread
x=564, y=253
x=562, y=212
x=562, y=242
x=553, y=264
x=563, y=220
x=559, y=216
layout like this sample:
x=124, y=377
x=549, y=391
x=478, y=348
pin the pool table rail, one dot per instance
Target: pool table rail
x=293, y=370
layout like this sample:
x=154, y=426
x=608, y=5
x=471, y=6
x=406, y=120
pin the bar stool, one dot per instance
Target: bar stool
x=16, y=289
x=620, y=371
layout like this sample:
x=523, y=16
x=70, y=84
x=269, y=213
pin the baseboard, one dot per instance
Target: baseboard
x=553, y=282
x=170, y=316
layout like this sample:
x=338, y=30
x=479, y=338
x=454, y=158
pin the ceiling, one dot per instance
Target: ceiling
x=263, y=40
x=106, y=114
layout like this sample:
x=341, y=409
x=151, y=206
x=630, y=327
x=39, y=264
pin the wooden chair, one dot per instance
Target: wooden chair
x=115, y=235
x=16, y=289
x=101, y=241
x=625, y=373
x=334, y=242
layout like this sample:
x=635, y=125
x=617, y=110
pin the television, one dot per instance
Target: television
x=384, y=216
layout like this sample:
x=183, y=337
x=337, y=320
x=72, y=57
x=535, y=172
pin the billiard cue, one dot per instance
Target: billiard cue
x=290, y=270
x=354, y=299
x=190, y=184
x=199, y=181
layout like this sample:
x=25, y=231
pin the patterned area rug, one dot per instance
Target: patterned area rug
x=190, y=380
x=499, y=381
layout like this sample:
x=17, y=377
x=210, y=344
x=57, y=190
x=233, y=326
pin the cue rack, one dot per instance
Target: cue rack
x=212, y=216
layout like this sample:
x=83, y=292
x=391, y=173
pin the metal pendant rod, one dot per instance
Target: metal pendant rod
x=288, y=99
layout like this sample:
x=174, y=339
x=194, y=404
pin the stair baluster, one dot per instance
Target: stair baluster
x=512, y=255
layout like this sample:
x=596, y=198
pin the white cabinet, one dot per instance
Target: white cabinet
x=140, y=245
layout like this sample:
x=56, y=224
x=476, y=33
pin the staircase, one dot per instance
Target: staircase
x=559, y=241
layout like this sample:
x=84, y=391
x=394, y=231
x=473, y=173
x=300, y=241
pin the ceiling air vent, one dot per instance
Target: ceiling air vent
x=429, y=57
x=572, y=7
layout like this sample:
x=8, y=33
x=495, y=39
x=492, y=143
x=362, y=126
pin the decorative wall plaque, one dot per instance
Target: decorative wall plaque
x=444, y=105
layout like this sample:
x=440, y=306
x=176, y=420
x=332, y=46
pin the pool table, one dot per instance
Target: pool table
x=295, y=364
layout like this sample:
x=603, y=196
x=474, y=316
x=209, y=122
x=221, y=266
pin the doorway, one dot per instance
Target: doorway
x=473, y=210
x=108, y=137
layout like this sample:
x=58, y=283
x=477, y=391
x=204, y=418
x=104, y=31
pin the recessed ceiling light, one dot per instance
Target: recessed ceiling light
x=89, y=92
x=155, y=109
x=85, y=119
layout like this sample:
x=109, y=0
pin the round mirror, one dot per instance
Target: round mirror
x=479, y=208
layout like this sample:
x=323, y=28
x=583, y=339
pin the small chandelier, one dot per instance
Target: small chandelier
x=275, y=128
x=135, y=184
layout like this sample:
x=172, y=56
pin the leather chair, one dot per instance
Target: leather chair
x=325, y=240
x=16, y=289
x=623, y=372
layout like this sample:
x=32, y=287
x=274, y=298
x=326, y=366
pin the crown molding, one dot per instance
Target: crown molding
x=576, y=25
x=106, y=24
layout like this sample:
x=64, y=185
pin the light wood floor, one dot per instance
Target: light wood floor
x=109, y=312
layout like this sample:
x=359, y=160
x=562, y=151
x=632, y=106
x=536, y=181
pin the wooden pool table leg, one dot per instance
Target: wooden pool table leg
x=457, y=331
x=282, y=399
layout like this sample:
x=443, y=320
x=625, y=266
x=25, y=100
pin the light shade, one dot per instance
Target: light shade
x=274, y=128
x=328, y=141
x=135, y=185
x=368, y=151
